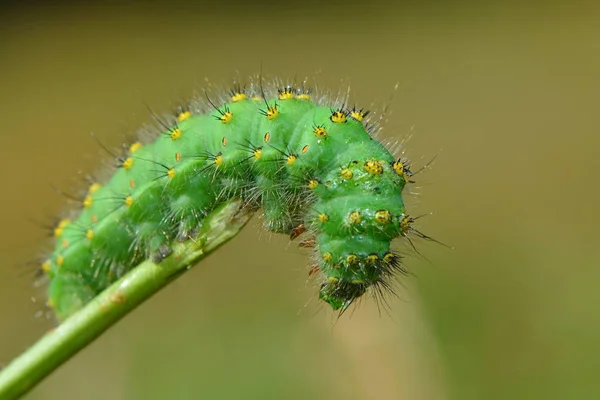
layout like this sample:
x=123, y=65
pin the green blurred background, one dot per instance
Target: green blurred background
x=505, y=93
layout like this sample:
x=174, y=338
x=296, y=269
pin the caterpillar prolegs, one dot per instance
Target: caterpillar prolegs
x=313, y=167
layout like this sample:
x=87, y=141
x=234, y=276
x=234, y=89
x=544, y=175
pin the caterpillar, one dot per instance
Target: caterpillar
x=313, y=167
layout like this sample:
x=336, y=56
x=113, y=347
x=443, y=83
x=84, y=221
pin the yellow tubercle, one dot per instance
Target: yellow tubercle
x=389, y=258
x=135, y=147
x=94, y=187
x=286, y=94
x=272, y=112
x=291, y=159
x=398, y=167
x=374, y=167
x=383, y=216
x=323, y=217
x=182, y=116
x=171, y=173
x=358, y=115
x=355, y=217
x=128, y=163
x=176, y=133
x=372, y=258
x=346, y=173
x=128, y=201
x=58, y=231
x=352, y=259
x=338, y=117
x=319, y=131
x=89, y=234
x=226, y=117
x=238, y=97
x=46, y=266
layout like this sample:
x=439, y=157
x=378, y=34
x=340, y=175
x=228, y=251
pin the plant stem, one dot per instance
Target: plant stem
x=81, y=328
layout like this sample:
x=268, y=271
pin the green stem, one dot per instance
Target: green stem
x=81, y=328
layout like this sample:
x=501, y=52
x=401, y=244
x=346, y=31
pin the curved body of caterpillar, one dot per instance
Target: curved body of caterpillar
x=312, y=168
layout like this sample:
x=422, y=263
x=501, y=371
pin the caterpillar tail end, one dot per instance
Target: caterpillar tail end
x=340, y=295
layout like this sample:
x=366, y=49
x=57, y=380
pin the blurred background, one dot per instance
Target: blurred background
x=505, y=93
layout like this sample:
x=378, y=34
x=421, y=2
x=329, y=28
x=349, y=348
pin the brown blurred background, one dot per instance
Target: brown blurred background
x=505, y=93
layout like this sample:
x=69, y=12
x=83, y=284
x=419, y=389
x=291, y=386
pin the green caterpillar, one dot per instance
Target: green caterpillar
x=313, y=168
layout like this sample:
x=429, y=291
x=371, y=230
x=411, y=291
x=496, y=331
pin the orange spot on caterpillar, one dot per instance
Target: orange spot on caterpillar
x=128, y=163
x=177, y=157
x=135, y=147
x=58, y=231
x=267, y=137
x=132, y=184
x=176, y=133
x=224, y=141
x=94, y=218
x=128, y=201
x=65, y=243
x=305, y=149
x=338, y=117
